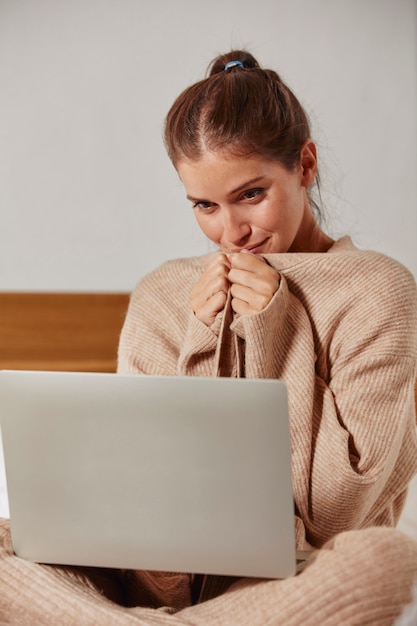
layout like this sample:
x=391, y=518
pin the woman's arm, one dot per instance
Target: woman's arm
x=161, y=335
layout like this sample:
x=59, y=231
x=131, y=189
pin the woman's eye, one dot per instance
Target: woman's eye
x=203, y=206
x=253, y=193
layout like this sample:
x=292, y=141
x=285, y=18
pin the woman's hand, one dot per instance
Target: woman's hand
x=253, y=282
x=208, y=297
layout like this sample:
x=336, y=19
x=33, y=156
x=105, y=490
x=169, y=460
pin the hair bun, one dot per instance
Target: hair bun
x=244, y=58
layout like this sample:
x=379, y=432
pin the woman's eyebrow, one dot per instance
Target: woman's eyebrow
x=247, y=183
x=191, y=199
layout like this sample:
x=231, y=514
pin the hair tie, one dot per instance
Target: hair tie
x=231, y=64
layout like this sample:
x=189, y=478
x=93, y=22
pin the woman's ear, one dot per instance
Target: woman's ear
x=308, y=162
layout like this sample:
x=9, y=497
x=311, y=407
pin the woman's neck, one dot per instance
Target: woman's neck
x=310, y=237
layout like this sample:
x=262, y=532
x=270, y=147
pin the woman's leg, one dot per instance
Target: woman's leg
x=361, y=578
x=48, y=595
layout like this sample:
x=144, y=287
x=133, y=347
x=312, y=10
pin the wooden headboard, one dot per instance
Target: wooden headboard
x=61, y=331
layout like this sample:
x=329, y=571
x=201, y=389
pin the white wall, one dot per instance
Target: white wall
x=88, y=199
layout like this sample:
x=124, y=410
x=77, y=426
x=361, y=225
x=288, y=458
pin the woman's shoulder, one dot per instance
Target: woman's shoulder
x=374, y=296
x=180, y=268
x=350, y=292
x=345, y=262
x=346, y=270
x=371, y=272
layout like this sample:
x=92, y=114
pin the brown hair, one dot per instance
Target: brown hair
x=243, y=110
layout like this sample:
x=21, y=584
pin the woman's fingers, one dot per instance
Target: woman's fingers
x=253, y=283
x=208, y=296
x=251, y=280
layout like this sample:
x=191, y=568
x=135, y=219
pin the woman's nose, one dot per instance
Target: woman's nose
x=235, y=227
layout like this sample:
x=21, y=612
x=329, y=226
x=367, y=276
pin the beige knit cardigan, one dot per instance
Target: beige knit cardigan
x=341, y=331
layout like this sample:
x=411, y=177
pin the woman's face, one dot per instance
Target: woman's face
x=251, y=203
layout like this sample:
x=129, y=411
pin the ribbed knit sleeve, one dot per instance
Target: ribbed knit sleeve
x=161, y=335
x=157, y=319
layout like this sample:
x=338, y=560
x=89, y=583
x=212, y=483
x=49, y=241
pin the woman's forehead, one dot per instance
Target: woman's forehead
x=220, y=171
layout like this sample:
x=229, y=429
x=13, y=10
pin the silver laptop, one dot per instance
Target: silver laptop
x=177, y=474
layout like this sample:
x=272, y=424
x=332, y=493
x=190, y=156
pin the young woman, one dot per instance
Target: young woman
x=278, y=299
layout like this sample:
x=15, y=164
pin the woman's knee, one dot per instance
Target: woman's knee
x=379, y=543
x=386, y=556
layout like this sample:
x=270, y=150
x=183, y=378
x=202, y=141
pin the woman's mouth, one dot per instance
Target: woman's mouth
x=255, y=248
